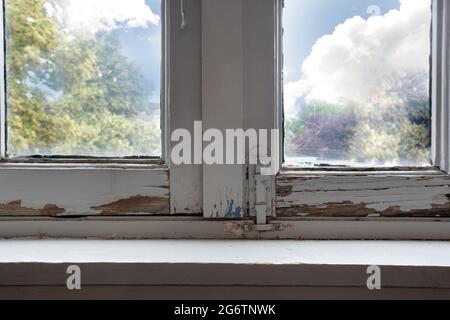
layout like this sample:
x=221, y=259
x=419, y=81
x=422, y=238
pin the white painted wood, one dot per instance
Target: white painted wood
x=74, y=189
x=262, y=82
x=198, y=228
x=382, y=253
x=346, y=194
x=184, y=101
x=441, y=85
x=67, y=190
x=240, y=77
x=279, y=105
x=377, y=193
x=193, y=270
x=223, y=102
x=261, y=76
x=235, y=54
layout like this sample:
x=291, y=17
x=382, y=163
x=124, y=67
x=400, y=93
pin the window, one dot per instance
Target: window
x=356, y=82
x=228, y=76
x=366, y=134
x=85, y=136
x=83, y=78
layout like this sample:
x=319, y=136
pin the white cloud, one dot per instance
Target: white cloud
x=357, y=59
x=91, y=16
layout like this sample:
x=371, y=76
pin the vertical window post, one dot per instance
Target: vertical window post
x=441, y=85
x=2, y=85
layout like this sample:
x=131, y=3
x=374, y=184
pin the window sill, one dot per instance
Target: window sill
x=193, y=227
x=358, y=253
x=223, y=269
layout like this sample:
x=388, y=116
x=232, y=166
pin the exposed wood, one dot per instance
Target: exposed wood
x=363, y=194
x=136, y=205
x=15, y=208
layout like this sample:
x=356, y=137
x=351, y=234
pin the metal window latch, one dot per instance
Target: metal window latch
x=263, y=204
x=183, y=15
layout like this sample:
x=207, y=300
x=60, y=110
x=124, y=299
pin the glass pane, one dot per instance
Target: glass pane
x=83, y=77
x=356, y=82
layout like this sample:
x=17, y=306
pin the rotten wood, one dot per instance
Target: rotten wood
x=360, y=194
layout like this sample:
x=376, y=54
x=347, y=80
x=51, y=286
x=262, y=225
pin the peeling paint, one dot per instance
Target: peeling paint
x=238, y=229
x=136, y=205
x=15, y=208
x=349, y=209
x=250, y=231
x=242, y=230
x=344, y=209
x=384, y=194
x=232, y=212
x=284, y=191
x=74, y=189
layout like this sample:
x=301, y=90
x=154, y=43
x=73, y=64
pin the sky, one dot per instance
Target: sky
x=143, y=46
x=338, y=50
x=305, y=21
x=333, y=49
x=137, y=24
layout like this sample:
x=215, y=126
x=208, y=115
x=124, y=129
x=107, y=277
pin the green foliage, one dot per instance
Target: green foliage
x=320, y=129
x=72, y=95
x=397, y=132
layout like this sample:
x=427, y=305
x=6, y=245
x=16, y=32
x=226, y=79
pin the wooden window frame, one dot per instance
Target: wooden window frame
x=193, y=78
x=382, y=193
x=101, y=186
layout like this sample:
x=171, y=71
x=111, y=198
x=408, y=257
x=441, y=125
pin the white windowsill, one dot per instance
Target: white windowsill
x=382, y=253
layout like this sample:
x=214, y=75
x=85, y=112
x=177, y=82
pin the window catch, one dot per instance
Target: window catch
x=264, y=188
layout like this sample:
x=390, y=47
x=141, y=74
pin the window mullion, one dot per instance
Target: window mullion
x=2, y=86
x=223, y=102
x=183, y=99
x=441, y=85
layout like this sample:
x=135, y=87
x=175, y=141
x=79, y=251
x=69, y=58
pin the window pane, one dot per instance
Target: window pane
x=356, y=82
x=83, y=77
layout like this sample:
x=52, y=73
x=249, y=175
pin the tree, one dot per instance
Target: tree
x=320, y=129
x=73, y=95
x=31, y=39
x=392, y=127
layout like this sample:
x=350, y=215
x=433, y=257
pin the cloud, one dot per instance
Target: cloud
x=362, y=55
x=91, y=16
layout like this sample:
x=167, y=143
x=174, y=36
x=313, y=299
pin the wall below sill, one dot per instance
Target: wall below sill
x=36, y=269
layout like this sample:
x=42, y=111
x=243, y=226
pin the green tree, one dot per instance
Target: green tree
x=73, y=95
x=393, y=128
x=31, y=39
